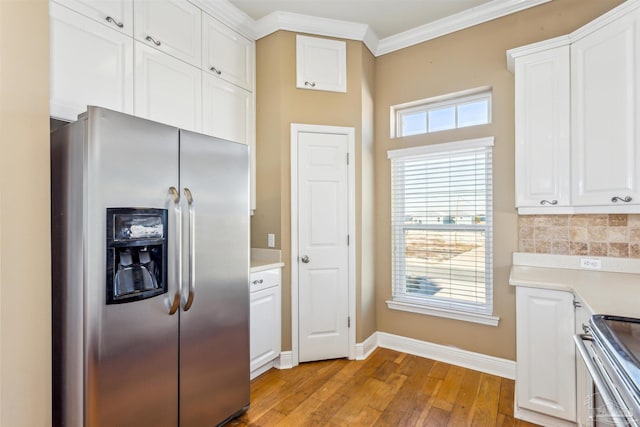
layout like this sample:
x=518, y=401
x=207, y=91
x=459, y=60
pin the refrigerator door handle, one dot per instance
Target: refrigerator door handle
x=188, y=299
x=173, y=303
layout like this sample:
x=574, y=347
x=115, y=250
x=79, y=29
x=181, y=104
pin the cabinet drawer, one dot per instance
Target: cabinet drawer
x=264, y=279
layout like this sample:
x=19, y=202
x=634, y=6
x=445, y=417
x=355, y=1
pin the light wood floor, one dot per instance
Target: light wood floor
x=387, y=389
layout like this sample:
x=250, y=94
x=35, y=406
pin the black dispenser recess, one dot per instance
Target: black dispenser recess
x=136, y=254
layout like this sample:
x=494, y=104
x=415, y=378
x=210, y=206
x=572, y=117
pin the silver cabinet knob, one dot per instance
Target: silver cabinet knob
x=305, y=259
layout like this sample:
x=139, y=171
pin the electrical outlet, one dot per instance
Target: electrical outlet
x=591, y=263
x=271, y=240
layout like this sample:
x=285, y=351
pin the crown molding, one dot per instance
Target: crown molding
x=229, y=15
x=615, y=13
x=541, y=46
x=245, y=25
x=315, y=25
x=478, y=15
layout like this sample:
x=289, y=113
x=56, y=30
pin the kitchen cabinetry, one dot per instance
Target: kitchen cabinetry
x=94, y=62
x=542, y=116
x=172, y=26
x=167, y=90
x=227, y=54
x=578, y=118
x=265, y=323
x=227, y=110
x=321, y=64
x=91, y=64
x=605, y=65
x=116, y=14
x=545, y=373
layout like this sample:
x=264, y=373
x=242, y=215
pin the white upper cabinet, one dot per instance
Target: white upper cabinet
x=90, y=64
x=542, y=113
x=227, y=110
x=117, y=14
x=321, y=64
x=172, y=26
x=226, y=54
x=167, y=90
x=606, y=114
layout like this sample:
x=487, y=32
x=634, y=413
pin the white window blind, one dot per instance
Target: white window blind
x=442, y=226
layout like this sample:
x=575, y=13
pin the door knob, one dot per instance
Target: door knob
x=304, y=259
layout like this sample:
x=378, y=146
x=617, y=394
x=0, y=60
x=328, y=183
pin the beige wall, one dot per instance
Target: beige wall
x=463, y=60
x=279, y=104
x=25, y=290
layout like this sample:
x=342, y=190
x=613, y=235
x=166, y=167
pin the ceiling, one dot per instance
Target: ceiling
x=384, y=17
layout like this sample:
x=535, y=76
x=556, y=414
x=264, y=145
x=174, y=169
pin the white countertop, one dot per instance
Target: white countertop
x=265, y=259
x=603, y=291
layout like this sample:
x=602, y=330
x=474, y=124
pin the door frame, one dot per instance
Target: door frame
x=297, y=128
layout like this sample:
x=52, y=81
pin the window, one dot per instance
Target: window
x=457, y=110
x=442, y=230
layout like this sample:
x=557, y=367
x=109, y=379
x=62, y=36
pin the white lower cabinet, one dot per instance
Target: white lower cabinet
x=265, y=333
x=546, y=363
x=91, y=64
x=167, y=90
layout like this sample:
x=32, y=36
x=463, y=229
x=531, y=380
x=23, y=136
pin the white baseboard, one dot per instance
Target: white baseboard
x=467, y=359
x=365, y=348
x=262, y=369
x=285, y=361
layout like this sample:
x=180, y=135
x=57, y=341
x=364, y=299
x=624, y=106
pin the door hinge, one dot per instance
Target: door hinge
x=347, y=158
x=349, y=322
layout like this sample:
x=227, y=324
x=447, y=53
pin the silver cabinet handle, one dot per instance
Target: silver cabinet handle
x=547, y=202
x=152, y=40
x=626, y=199
x=305, y=259
x=257, y=282
x=310, y=84
x=188, y=300
x=113, y=21
x=215, y=70
x=174, y=303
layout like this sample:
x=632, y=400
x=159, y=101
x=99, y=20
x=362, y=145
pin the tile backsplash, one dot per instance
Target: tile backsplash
x=596, y=235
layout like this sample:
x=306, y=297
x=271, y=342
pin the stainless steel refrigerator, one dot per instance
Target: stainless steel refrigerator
x=150, y=272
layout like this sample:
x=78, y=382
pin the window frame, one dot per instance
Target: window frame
x=438, y=306
x=455, y=100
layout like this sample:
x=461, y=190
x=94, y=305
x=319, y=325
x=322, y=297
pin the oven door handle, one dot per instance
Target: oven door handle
x=596, y=376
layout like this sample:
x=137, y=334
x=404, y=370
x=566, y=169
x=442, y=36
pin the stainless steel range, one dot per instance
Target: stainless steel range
x=611, y=351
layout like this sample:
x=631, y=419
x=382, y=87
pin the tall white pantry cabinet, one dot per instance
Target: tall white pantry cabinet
x=165, y=60
x=577, y=111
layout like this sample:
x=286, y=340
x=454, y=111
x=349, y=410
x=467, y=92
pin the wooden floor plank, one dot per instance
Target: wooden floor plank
x=389, y=388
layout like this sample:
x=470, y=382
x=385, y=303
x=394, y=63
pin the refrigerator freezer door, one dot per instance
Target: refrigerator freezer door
x=214, y=325
x=132, y=348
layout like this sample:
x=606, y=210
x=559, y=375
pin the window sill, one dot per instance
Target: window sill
x=484, y=319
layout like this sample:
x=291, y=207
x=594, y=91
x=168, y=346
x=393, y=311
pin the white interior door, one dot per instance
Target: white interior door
x=323, y=250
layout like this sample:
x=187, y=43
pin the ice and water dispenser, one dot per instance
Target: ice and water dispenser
x=136, y=254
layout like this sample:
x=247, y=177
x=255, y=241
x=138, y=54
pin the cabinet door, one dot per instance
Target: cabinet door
x=321, y=64
x=167, y=90
x=91, y=64
x=606, y=114
x=545, y=370
x=227, y=54
x=265, y=326
x=227, y=110
x=542, y=112
x=117, y=14
x=172, y=26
